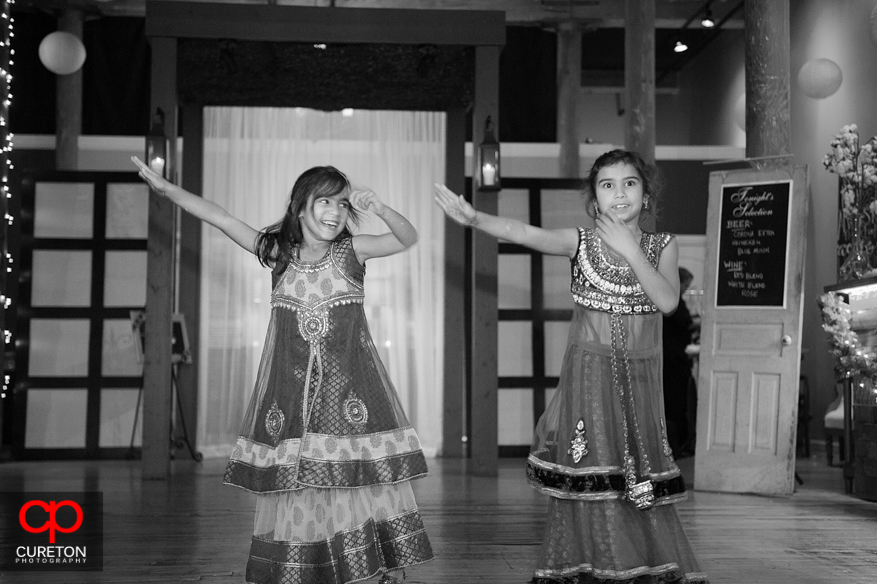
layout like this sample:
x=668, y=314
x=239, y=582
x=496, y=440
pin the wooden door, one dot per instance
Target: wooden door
x=750, y=332
x=82, y=271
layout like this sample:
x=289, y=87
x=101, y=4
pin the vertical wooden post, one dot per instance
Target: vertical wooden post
x=569, y=83
x=484, y=439
x=639, y=77
x=189, y=265
x=68, y=102
x=159, y=278
x=639, y=85
x=767, y=77
x=454, y=399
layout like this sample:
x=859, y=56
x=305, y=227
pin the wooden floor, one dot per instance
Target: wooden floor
x=190, y=528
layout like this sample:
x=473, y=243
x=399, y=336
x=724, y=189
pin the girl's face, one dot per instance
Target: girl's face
x=325, y=217
x=620, y=188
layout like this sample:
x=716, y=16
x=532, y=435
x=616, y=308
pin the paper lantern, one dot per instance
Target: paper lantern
x=819, y=78
x=62, y=53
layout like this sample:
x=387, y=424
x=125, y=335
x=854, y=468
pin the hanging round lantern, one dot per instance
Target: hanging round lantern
x=740, y=111
x=62, y=53
x=819, y=78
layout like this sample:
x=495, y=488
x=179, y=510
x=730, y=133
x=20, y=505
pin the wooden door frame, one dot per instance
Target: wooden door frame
x=166, y=23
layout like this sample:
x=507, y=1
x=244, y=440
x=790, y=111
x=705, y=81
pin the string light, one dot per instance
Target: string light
x=6, y=53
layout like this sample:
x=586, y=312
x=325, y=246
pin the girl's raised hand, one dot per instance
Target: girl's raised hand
x=455, y=206
x=619, y=236
x=366, y=199
x=153, y=179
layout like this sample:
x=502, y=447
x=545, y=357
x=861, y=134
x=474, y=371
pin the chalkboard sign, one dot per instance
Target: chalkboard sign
x=753, y=237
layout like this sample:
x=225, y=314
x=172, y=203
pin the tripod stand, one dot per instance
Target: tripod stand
x=175, y=443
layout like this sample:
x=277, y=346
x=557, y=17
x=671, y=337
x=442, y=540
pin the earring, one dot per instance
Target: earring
x=646, y=204
x=596, y=210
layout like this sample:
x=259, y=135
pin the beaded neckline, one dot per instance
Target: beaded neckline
x=603, y=283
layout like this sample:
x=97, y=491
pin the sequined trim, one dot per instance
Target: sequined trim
x=587, y=574
x=602, y=283
x=355, y=411
x=313, y=324
x=274, y=422
x=579, y=444
x=351, y=555
x=549, y=479
x=294, y=304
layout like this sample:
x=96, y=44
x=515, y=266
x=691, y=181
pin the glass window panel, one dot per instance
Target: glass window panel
x=125, y=278
x=55, y=418
x=515, y=416
x=555, y=283
x=120, y=353
x=61, y=278
x=64, y=210
x=513, y=281
x=556, y=334
x=127, y=210
x=514, y=203
x=515, y=348
x=117, y=413
x=58, y=347
x=564, y=208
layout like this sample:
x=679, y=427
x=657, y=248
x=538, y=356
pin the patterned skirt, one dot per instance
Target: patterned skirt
x=323, y=536
x=605, y=420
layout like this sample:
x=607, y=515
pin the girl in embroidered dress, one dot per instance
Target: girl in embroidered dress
x=600, y=449
x=324, y=444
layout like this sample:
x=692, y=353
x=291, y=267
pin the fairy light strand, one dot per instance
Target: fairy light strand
x=6, y=62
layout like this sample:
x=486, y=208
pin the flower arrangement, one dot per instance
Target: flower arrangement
x=853, y=358
x=856, y=166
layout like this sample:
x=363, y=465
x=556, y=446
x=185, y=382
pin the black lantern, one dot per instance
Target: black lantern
x=488, y=160
x=157, y=146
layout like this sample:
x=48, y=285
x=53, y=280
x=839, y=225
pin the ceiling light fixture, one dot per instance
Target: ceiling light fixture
x=680, y=47
x=708, y=21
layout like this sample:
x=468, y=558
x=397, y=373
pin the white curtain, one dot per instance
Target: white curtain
x=252, y=157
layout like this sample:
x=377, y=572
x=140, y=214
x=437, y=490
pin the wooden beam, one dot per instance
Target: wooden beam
x=159, y=280
x=671, y=14
x=483, y=440
x=189, y=268
x=767, y=78
x=639, y=78
x=68, y=103
x=569, y=75
x=639, y=83
x=602, y=81
x=271, y=22
x=454, y=402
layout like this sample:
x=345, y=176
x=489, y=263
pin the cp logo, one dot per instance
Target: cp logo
x=51, y=524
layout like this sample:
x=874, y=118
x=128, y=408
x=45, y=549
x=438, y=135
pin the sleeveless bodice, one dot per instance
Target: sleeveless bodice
x=317, y=286
x=601, y=282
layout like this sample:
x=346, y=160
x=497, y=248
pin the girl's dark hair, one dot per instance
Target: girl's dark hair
x=647, y=172
x=274, y=243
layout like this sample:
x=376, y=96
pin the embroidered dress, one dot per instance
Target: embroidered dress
x=600, y=449
x=325, y=443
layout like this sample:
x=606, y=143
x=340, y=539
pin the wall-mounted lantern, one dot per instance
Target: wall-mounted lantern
x=488, y=160
x=157, y=146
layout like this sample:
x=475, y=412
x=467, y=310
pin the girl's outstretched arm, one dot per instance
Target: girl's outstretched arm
x=207, y=211
x=562, y=242
x=661, y=285
x=402, y=234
